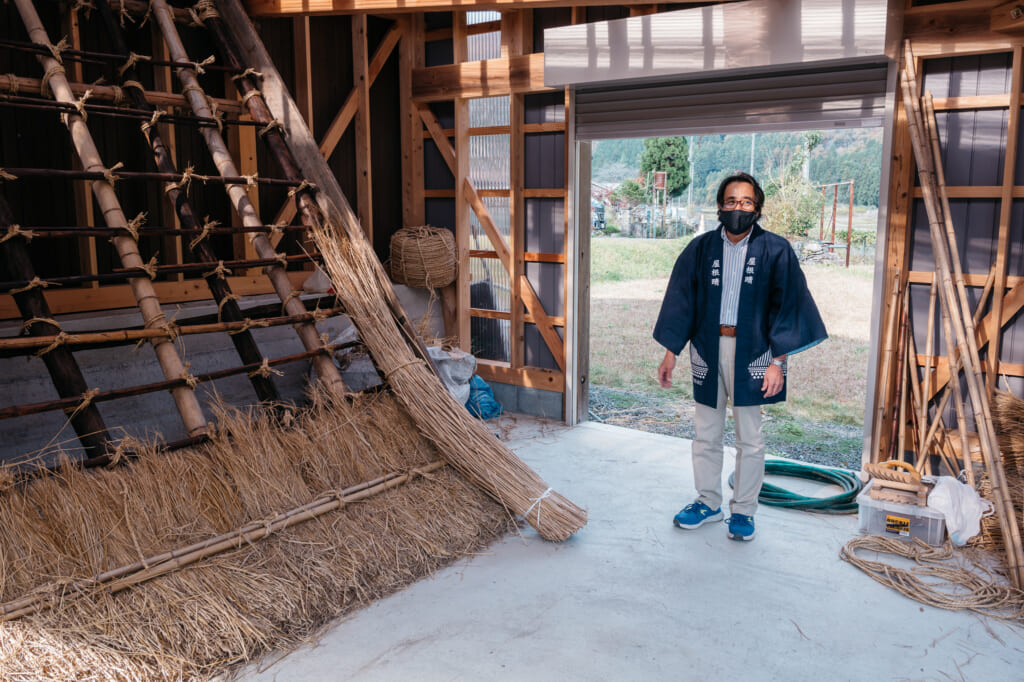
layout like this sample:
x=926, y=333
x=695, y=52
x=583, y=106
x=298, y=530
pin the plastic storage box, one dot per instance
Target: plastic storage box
x=902, y=521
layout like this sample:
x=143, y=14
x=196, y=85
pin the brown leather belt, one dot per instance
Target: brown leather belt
x=726, y=331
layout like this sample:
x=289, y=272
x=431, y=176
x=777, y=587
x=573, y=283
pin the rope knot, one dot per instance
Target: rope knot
x=14, y=230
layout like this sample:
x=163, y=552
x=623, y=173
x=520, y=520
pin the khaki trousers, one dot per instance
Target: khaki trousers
x=709, y=424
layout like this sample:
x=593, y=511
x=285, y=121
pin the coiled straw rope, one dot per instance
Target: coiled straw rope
x=943, y=578
x=423, y=257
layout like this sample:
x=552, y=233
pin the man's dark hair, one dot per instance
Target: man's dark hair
x=740, y=176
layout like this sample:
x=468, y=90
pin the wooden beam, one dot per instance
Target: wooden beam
x=411, y=56
x=517, y=229
x=361, y=88
x=924, y=277
x=81, y=189
x=977, y=192
x=972, y=102
x=486, y=78
x=107, y=93
x=530, y=377
x=282, y=8
x=460, y=169
x=503, y=315
x=1007, y=17
x=303, y=57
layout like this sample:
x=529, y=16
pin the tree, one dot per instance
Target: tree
x=631, y=192
x=668, y=154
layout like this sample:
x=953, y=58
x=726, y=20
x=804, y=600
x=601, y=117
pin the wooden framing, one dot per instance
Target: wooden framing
x=281, y=8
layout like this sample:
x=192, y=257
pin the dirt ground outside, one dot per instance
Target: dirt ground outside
x=821, y=422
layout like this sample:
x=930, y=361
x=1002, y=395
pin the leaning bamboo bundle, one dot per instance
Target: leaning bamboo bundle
x=461, y=439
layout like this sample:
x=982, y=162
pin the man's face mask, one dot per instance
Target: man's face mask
x=737, y=222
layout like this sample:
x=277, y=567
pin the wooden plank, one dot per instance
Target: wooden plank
x=971, y=102
x=437, y=134
x=120, y=295
x=1006, y=205
x=244, y=147
x=642, y=10
x=1007, y=17
x=517, y=229
x=924, y=277
x=544, y=323
x=460, y=169
x=530, y=377
x=551, y=127
x=484, y=216
x=283, y=8
x=528, y=256
x=977, y=192
x=439, y=194
x=361, y=88
x=303, y=56
x=445, y=33
x=107, y=94
x=546, y=193
x=81, y=189
x=511, y=33
x=503, y=315
x=486, y=78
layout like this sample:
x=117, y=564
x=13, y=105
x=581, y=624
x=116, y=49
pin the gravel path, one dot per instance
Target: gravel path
x=834, y=445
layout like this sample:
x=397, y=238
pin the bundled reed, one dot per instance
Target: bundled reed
x=423, y=257
x=1008, y=420
x=59, y=532
x=464, y=442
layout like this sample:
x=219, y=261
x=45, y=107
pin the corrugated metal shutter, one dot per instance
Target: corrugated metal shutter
x=822, y=97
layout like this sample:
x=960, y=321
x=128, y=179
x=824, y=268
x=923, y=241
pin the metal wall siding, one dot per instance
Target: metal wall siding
x=440, y=213
x=547, y=216
x=548, y=280
x=535, y=351
x=973, y=146
x=976, y=223
x=986, y=74
x=548, y=107
x=436, y=174
x=1015, y=260
x=544, y=160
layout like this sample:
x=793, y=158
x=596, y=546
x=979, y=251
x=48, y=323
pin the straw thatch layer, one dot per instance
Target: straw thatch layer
x=196, y=621
x=1008, y=421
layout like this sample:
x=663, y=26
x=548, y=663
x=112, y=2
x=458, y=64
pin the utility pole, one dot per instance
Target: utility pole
x=753, y=147
x=689, y=189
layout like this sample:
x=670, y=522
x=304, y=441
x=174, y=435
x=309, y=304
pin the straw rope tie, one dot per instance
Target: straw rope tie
x=248, y=324
x=219, y=271
x=284, y=304
x=44, y=87
x=149, y=268
x=319, y=315
x=248, y=72
x=118, y=95
x=58, y=341
x=108, y=174
x=190, y=379
x=7, y=176
x=220, y=306
x=80, y=104
x=36, y=283
x=124, y=14
x=218, y=115
x=282, y=260
x=536, y=503
x=12, y=83
x=250, y=180
x=184, y=183
x=265, y=370
x=85, y=5
x=198, y=66
x=132, y=228
x=154, y=119
x=14, y=230
x=305, y=184
x=32, y=320
x=58, y=49
x=192, y=87
x=133, y=84
x=133, y=59
x=273, y=125
x=249, y=95
x=402, y=366
x=207, y=226
x=86, y=401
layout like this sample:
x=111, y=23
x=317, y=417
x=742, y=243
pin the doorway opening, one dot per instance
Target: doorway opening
x=651, y=196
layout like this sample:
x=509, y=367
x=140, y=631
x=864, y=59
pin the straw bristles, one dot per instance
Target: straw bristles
x=464, y=442
x=232, y=607
x=1008, y=420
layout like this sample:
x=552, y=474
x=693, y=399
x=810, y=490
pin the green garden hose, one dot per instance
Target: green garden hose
x=843, y=503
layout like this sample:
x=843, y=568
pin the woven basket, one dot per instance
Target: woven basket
x=422, y=257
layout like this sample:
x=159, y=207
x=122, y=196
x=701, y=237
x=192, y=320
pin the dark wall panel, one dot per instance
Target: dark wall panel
x=440, y=213
x=986, y=74
x=545, y=219
x=535, y=351
x=544, y=160
x=548, y=107
x=973, y=146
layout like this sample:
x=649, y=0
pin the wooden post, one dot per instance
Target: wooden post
x=411, y=57
x=326, y=370
x=302, y=51
x=462, y=208
x=361, y=85
x=835, y=207
x=87, y=257
x=849, y=227
x=127, y=249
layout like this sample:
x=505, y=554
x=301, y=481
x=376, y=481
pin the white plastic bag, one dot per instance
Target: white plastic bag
x=962, y=506
x=455, y=367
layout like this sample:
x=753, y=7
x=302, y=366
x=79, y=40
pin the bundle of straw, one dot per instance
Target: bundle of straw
x=423, y=257
x=58, y=532
x=463, y=441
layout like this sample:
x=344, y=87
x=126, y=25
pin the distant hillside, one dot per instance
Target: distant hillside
x=840, y=155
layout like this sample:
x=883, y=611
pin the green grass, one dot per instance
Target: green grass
x=614, y=259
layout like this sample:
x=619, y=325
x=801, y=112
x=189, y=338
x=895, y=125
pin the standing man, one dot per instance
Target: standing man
x=738, y=297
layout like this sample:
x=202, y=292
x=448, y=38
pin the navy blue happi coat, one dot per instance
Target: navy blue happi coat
x=776, y=316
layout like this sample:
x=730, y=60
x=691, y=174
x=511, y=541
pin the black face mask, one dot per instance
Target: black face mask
x=737, y=222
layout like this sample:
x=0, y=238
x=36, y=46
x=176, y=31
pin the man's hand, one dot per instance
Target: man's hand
x=773, y=381
x=665, y=369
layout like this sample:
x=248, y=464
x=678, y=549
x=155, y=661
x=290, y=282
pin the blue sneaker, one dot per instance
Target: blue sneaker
x=695, y=515
x=741, y=527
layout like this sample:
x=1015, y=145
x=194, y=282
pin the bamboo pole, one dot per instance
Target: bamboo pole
x=118, y=579
x=170, y=384
x=114, y=111
x=54, y=232
x=903, y=371
x=60, y=363
x=956, y=301
x=149, y=305
x=325, y=368
x=104, y=175
x=928, y=347
x=127, y=336
x=887, y=353
x=900, y=386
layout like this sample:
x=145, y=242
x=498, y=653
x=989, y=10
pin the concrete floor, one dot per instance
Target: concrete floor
x=630, y=597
